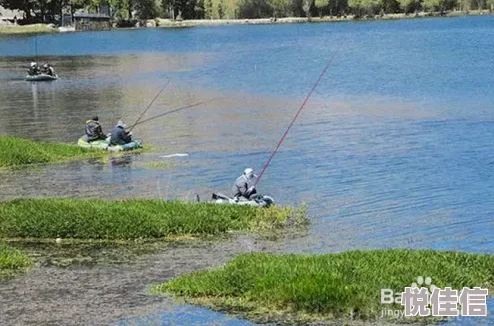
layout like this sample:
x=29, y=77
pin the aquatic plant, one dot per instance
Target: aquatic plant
x=15, y=152
x=12, y=261
x=268, y=287
x=156, y=165
x=132, y=219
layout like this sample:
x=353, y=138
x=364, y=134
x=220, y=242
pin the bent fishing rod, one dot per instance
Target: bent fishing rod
x=330, y=61
x=154, y=99
x=178, y=109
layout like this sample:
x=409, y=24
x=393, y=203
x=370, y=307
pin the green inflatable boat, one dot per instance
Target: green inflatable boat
x=105, y=145
x=41, y=77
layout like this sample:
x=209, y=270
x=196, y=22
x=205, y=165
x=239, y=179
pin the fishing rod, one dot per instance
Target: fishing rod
x=179, y=109
x=154, y=99
x=297, y=114
x=36, y=46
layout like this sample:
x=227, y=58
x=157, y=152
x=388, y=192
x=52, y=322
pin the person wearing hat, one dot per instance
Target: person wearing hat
x=33, y=69
x=119, y=136
x=93, y=130
x=244, y=185
x=47, y=69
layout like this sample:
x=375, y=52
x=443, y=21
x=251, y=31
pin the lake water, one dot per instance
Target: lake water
x=393, y=150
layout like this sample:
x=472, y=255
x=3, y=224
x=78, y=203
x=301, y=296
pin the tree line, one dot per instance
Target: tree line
x=50, y=10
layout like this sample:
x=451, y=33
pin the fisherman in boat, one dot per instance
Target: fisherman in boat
x=34, y=69
x=119, y=136
x=48, y=70
x=244, y=185
x=93, y=130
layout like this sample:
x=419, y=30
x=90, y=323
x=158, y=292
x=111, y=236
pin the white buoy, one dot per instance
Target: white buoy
x=175, y=155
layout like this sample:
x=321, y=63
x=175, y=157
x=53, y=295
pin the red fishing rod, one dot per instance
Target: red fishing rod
x=330, y=61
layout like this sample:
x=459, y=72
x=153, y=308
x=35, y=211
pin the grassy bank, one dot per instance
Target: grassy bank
x=16, y=152
x=132, y=219
x=26, y=29
x=12, y=261
x=265, y=287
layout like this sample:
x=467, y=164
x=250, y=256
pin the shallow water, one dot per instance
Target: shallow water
x=393, y=150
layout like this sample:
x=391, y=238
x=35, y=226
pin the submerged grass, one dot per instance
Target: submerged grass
x=87, y=252
x=12, y=261
x=134, y=219
x=157, y=165
x=18, y=152
x=302, y=288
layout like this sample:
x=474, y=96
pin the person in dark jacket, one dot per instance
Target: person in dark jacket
x=119, y=136
x=93, y=130
x=48, y=70
x=244, y=185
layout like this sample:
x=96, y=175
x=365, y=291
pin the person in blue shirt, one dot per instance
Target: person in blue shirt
x=119, y=136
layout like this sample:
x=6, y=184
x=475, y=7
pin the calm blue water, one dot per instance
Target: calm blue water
x=394, y=149
x=184, y=315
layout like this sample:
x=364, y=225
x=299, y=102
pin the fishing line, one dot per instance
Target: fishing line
x=154, y=99
x=298, y=112
x=179, y=109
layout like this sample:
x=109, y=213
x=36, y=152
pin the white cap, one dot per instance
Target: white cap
x=249, y=173
x=33, y=64
x=121, y=124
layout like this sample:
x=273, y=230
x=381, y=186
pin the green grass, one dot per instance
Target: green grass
x=12, y=261
x=18, y=152
x=133, y=219
x=26, y=29
x=267, y=287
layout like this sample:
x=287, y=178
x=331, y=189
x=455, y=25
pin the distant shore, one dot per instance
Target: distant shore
x=169, y=23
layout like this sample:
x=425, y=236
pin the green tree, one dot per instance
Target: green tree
x=392, y=6
x=363, y=7
x=221, y=11
x=122, y=8
x=490, y=5
x=208, y=9
x=465, y=5
x=280, y=7
x=438, y=5
x=321, y=4
x=167, y=6
x=199, y=9
x=409, y=6
x=146, y=9
x=254, y=9
x=307, y=5
x=479, y=4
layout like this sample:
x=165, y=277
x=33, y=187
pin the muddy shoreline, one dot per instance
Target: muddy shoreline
x=104, y=294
